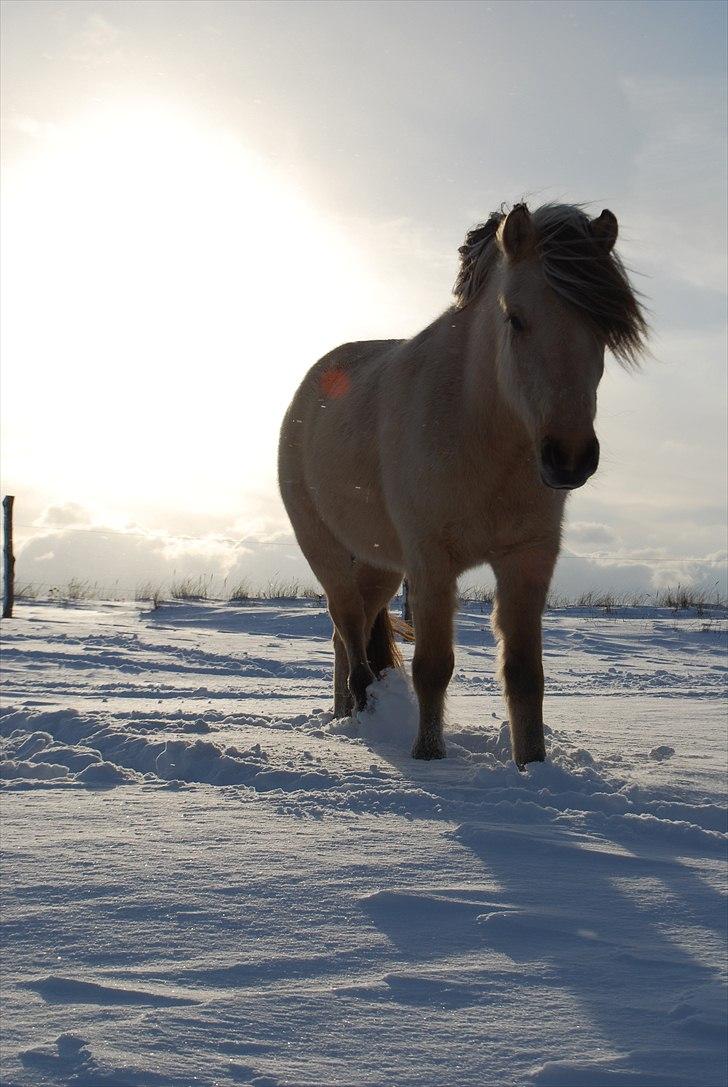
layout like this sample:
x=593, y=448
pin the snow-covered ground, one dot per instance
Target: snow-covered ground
x=208, y=880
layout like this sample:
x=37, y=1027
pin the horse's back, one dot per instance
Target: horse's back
x=343, y=380
x=344, y=359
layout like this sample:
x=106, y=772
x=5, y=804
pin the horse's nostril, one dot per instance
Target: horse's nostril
x=550, y=453
x=562, y=467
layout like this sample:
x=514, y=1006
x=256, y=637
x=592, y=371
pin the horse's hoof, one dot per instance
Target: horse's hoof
x=539, y=755
x=429, y=747
x=359, y=682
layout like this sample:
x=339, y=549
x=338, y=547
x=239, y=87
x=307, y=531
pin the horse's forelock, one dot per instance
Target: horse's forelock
x=575, y=265
x=477, y=255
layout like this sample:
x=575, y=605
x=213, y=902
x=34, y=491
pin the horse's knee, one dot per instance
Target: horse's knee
x=431, y=674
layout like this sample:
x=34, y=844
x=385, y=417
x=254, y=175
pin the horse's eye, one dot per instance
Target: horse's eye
x=515, y=322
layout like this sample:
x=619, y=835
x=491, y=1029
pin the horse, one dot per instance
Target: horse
x=428, y=456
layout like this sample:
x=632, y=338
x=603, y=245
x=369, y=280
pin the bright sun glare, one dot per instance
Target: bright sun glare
x=164, y=291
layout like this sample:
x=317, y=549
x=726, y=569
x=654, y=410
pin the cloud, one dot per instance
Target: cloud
x=120, y=561
x=683, y=140
x=64, y=516
x=117, y=561
x=590, y=532
x=576, y=574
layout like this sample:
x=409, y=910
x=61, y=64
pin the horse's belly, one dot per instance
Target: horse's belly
x=356, y=515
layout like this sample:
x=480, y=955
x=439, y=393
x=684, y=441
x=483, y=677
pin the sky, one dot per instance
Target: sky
x=199, y=199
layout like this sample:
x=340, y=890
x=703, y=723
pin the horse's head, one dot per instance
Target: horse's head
x=558, y=297
x=551, y=358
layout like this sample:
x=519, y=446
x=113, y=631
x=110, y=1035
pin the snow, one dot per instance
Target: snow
x=210, y=880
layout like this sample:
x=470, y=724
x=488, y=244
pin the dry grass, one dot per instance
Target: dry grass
x=280, y=589
x=313, y=592
x=27, y=591
x=476, y=594
x=687, y=597
x=240, y=593
x=147, y=592
x=610, y=601
x=678, y=598
x=190, y=588
x=76, y=590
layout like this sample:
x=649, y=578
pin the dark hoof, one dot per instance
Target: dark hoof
x=539, y=755
x=429, y=747
x=359, y=681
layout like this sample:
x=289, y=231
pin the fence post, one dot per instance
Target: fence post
x=8, y=557
x=406, y=609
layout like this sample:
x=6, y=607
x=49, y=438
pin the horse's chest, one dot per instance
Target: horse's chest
x=498, y=520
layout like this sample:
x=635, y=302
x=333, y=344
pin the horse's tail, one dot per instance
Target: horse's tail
x=405, y=630
x=382, y=651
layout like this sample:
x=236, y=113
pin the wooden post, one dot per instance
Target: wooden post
x=8, y=557
x=406, y=609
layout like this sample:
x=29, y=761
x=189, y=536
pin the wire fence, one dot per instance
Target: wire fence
x=163, y=534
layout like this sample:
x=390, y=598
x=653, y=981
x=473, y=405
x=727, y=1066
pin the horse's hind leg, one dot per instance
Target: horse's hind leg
x=333, y=565
x=377, y=587
x=433, y=607
x=522, y=586
x=352, y=674
x=343, y=698
x=347, y=612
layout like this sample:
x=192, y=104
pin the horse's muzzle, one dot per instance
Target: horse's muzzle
x=564, y=470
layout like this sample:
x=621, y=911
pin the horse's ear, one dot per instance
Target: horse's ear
x=516, y=233
x=604, y=230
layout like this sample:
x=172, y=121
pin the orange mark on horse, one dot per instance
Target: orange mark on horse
x=335, y=383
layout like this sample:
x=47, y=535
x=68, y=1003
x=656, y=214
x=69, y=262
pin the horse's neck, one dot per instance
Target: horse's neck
x=459, y=354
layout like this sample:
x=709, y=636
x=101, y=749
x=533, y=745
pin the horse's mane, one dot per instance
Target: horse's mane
x=575, y=266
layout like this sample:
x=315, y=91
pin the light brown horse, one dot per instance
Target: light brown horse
x=432, y=455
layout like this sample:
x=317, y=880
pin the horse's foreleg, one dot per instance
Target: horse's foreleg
x=522, y=586
x=433, y=607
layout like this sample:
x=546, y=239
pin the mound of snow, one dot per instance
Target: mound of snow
x=44, y=771
x=390, y=717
